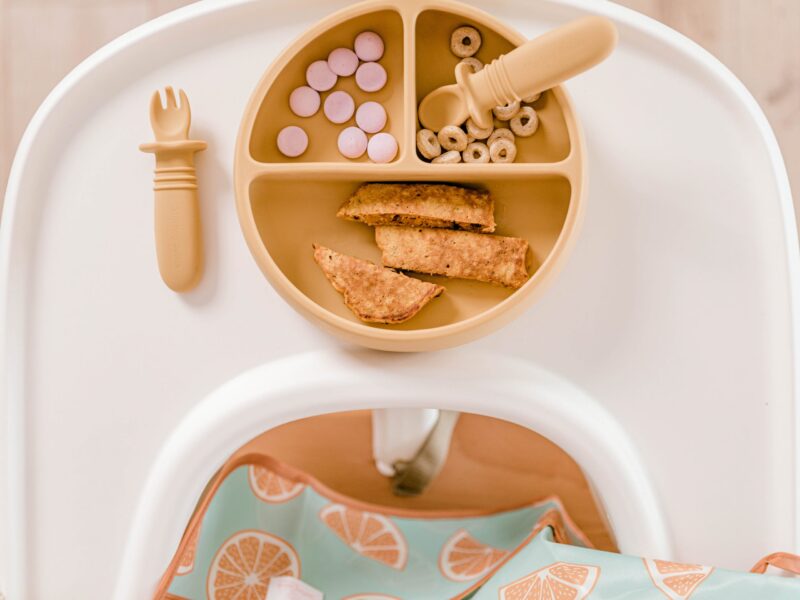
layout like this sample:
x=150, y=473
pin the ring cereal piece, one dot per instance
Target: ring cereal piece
x=525, y=123
x=479, y=133
x=427, y=144
x=500, y=133
x=465, y=41
x=473, y=62
x=476, y=152
x=448, y=158
x=507, y=112
x=503, y=151
x=452, y=137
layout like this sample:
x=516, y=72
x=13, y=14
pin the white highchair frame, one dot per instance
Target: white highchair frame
x=278, y=393
x=591, y=427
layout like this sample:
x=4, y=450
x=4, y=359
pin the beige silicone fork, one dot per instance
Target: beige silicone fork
x=179, y=245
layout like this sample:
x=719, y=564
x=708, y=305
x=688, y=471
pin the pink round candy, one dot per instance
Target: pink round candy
x=319, y=76
x=292, y=141
x=370, y=77
x=339, y=107
x=352, y=142
x=343, y=61
x=369, y=46
x=304, y=101
x=371, y=117
x=382, y=148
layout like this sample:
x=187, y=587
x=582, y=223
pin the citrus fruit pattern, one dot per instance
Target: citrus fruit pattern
x=370, y=534
x=246, y=561
x=270, y=487
x=559, y=581
x=677, y=581
x=186, y=562
x=463, y=558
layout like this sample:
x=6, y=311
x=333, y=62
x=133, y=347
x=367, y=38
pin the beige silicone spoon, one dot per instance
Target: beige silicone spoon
x=179, y=245
x=534, y=67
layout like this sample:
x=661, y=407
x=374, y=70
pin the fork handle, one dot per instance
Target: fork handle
x=177, y=226
x=179, y=245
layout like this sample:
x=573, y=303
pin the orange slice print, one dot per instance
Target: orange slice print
x=561, y=581
x=186, y=562
x=246, y=561
x=370, y=534
x=271, y=487
x=677, y=581
x=463, y=558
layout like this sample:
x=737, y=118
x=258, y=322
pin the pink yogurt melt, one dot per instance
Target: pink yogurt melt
x=352, y=142
x=369, y=46
x=371, y=117
x=382, y=148
x=370, y=77
x=339, y=107
x=343, y=62
x=304, y=101
x=292, y=141
x=320, y=77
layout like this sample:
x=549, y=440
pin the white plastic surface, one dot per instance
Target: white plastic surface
x=398, y=434
x=677, y=311
x=280, y=392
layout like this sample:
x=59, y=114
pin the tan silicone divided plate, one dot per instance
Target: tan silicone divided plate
x=285, y=205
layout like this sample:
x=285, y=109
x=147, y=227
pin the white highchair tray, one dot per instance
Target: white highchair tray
x=676, y=314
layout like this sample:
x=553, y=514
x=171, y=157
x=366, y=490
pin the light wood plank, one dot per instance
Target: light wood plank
x=45, y=40
x=768, y=61
x=163, y=6
x=758, y=41
x=6, y=148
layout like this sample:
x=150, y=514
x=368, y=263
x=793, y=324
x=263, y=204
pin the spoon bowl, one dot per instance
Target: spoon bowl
x=444, y=106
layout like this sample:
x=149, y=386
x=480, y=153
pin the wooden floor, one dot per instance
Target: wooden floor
x=41, y=40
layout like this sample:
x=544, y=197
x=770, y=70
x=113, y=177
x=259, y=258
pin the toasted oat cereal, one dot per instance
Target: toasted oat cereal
x=450, y=157
x=500, y=133
x=473, y=63
x=465, y=41
x=525, y=123
x=502, y=151
x=427, y=144
x=452, y=137
x=476, y=152
x=507, y=112
x=476, y=132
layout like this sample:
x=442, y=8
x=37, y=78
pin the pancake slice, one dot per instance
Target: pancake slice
x=421, y=205
x=375, y=294
x=462, y=254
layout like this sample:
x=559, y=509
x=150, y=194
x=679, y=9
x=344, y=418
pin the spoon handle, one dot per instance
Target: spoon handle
x=543, y=62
